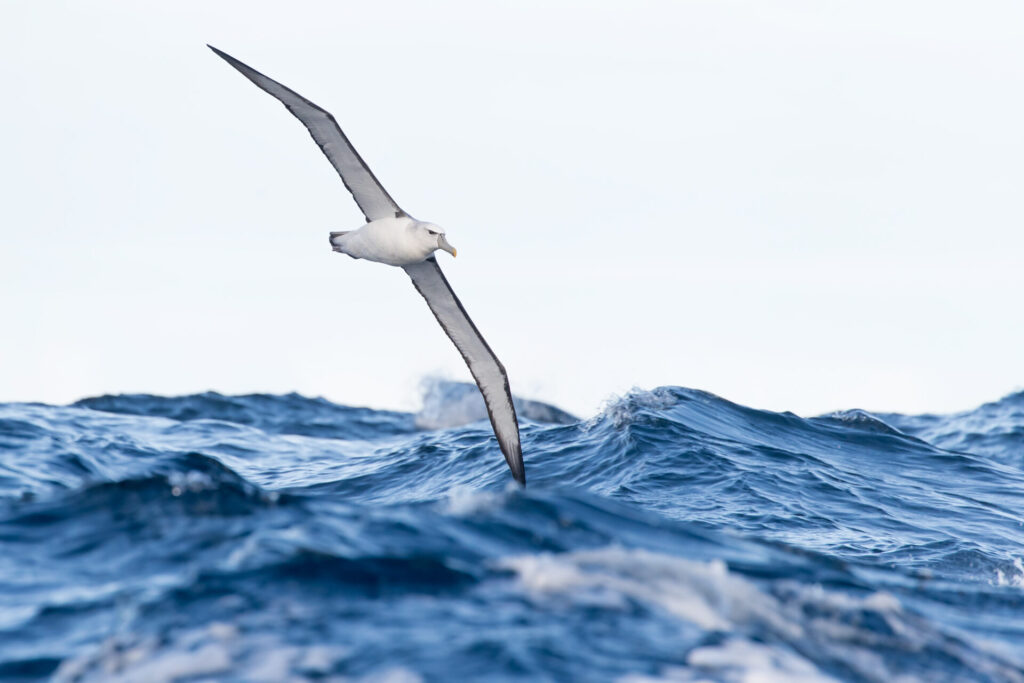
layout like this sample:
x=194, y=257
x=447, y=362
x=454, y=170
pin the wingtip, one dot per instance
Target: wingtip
x=223, y=55
x=519, y=474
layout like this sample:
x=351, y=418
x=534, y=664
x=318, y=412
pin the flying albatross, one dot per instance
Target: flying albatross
x=394, y=237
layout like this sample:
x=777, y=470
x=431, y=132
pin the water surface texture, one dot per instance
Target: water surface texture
x=675, y=536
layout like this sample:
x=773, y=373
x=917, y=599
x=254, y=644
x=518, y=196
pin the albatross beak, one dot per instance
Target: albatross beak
x=442, y=243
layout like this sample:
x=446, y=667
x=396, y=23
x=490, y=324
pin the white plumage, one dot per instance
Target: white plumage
x=399, y=241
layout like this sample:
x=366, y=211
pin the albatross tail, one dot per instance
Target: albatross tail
x=336, y=238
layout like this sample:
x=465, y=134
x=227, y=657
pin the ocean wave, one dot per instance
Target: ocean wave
x=673, y=536
x=448, y=404
x=287, y=414
x=803, y=623
x=995, y=430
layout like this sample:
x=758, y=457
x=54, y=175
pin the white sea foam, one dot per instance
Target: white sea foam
x=463, y=501
x=707, y=594
x=449, y=404
x=737, y=660
x=212, y=652
x=621, y=410
x=1014, y=578
x=116, y=663
x=395, y=674
x=703, y=593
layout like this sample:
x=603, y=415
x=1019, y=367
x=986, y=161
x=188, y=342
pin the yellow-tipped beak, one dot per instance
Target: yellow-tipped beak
x=442, y=243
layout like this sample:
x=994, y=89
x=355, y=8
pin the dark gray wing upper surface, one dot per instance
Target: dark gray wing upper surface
x=370, y=195
x=487, y=370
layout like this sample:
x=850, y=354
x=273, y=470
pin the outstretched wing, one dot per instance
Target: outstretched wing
x=372, y=198
x=483, y=364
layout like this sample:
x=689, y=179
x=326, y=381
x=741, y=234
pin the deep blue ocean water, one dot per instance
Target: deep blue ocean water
x=675, y=536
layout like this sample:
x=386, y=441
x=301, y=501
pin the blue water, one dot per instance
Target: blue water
x=675, y=536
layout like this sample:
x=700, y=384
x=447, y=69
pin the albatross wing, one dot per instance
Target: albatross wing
x=376, y=204
x=487, y=370
x=370, y=195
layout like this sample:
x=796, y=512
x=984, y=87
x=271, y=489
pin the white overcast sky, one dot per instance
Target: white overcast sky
x=795, y=205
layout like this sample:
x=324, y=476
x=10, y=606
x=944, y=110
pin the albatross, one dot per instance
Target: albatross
x=393, y=237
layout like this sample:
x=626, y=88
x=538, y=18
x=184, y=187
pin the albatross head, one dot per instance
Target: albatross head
x=433, y=235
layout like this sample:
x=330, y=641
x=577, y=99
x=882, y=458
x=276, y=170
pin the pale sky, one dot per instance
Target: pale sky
x=798, y=206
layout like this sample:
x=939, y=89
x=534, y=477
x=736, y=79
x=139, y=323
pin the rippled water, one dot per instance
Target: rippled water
x=675, y=536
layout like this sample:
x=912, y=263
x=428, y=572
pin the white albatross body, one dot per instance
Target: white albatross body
x=396, y=241
x=393, y=237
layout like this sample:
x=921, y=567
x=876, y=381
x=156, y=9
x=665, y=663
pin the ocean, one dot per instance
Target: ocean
x=674, y=536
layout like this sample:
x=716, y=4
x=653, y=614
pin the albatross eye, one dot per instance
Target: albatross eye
x=433, y=232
